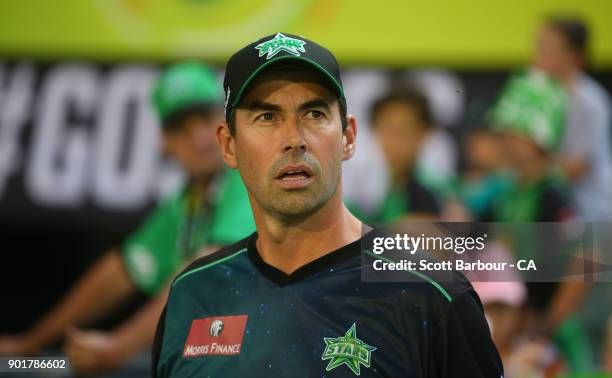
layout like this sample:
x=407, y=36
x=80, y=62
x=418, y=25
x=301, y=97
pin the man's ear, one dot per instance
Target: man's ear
x=227, y=144
x=349, y=137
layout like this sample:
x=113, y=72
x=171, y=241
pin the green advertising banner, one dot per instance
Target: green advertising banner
x=470, y=33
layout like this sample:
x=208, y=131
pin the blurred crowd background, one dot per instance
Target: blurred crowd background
x=468, y=111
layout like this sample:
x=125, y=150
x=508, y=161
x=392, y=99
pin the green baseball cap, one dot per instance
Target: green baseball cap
x=278, y=50
x=183, y=87
x=533, y=105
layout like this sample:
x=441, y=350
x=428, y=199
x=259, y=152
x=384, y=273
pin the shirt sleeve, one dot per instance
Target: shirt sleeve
x=461, y=342
x=233, y=219
x=150, y=254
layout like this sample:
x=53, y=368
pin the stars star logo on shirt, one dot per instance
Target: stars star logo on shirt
x=281, y=43
x=347, y=350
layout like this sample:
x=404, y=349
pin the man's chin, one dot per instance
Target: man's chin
x=295, y=205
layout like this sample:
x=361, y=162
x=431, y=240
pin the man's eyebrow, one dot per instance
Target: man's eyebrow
x=316, y=103
x=262, y=105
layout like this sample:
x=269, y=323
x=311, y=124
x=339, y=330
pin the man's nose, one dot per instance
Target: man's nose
x=294, y=140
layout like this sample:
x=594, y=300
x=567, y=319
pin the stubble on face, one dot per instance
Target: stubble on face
x=262, y=151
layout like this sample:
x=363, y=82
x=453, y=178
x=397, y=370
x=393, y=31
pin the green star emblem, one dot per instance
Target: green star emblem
x=281, y=43
x=349, y=350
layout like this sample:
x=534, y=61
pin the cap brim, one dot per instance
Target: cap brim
x=285, y=58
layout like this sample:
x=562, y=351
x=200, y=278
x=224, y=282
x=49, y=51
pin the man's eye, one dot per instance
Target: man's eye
x=265, y=117
x=315, y=114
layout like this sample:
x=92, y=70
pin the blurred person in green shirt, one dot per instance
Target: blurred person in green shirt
x=211, y=210
x=529, y=116
x=483, y=180
x=401, y=120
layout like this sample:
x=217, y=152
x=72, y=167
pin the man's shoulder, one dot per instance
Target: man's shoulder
x=209, y=261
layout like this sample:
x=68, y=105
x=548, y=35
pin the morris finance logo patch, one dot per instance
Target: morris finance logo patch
x=216, y=327
x=216, y=335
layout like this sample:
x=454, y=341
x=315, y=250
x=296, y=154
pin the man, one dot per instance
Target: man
x=211, y=210
x=289, y=300
x=401, y=121
x=585, y=153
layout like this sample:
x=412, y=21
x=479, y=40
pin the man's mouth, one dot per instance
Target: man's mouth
x=295, y=176
x=300, y=172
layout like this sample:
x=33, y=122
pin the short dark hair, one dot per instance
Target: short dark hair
x=409, y=96
x=573, y=30
x=341, y=103
x=177, y=119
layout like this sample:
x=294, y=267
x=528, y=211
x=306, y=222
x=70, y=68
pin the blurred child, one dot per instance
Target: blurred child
x=529, y=116
x=503, y=294
x=400, y=121
x=482, y=182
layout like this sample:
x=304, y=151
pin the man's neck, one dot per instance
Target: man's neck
x=288, y=247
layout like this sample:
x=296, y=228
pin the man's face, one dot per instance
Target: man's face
x=552, y=54
x=400, y=132
x=193, y=144
x=289, y=143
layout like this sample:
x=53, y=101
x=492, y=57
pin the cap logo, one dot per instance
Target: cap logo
x=227, y=96
x=281, y=43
